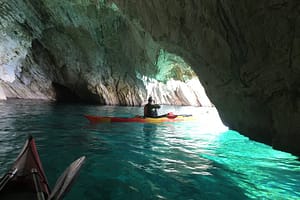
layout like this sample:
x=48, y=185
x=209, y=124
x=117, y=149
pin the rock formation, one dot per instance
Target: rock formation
x=246, y=54
x=86, y=51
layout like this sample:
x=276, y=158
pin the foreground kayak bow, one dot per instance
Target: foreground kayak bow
x=27, y=180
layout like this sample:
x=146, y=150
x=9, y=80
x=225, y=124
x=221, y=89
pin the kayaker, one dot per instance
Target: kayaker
x=150, y=110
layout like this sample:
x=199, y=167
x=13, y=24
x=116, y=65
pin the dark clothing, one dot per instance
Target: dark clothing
x=150, y=110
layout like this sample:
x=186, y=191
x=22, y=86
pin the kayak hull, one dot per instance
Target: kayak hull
x=139, y=119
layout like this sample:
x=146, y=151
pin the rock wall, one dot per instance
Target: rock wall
x=82, y=50
x=246, y=53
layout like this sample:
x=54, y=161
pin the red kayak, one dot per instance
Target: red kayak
x=170, y=117
x=27, y=180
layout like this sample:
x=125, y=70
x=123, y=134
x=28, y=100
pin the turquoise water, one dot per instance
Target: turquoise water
x=187, y=160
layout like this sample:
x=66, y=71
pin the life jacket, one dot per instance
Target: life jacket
x=150, y=111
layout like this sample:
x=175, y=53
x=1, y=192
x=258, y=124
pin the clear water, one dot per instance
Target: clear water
x=187, y=160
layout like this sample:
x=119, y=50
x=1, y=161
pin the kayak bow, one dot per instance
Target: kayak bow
x=27, y=180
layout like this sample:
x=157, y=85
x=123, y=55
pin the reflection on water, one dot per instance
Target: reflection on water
x=149, y=131
x=188, y=160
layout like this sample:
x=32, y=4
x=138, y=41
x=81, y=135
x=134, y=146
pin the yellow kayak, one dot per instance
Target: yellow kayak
x=164, y=118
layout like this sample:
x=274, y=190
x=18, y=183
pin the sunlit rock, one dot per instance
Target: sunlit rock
x=86, y=51
x=2, y=94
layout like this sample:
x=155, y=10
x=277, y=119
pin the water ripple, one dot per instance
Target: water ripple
x=190, y=160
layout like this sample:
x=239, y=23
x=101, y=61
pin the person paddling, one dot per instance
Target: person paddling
x=150, y=110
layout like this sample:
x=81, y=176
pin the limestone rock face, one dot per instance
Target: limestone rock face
x=246, y=53
x=83, y=50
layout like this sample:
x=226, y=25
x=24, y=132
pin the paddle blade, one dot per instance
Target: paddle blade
x=66, y=180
